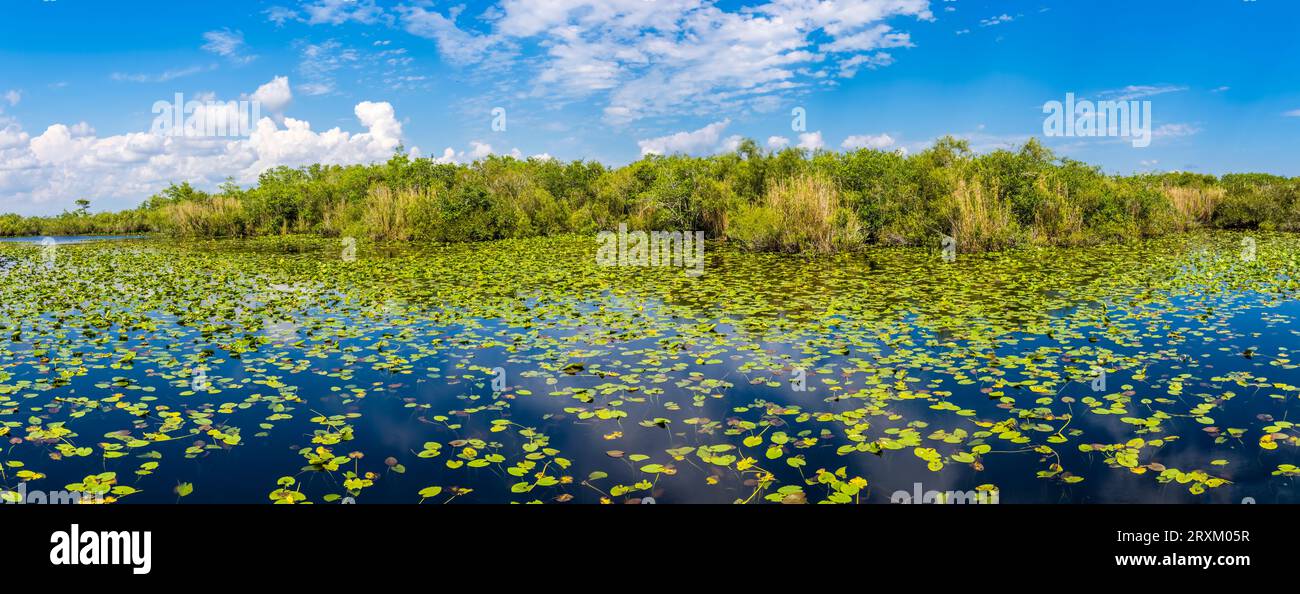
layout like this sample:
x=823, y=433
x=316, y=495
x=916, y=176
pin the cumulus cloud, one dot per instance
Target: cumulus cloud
x=479, y=150
x=868, y=141
x=12, y=136
x=811, y=141
x=275, y=95
x=777, y=143
x=695, y=142
x=732, y=143
x=46, y=172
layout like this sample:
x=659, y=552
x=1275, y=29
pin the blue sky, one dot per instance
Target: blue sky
x=614, y=79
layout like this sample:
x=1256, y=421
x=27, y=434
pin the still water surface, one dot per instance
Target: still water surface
x=283, y=370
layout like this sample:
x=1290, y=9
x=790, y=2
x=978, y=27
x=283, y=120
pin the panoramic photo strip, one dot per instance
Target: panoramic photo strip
x=413, y=262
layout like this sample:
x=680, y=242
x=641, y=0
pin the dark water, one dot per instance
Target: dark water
x=402, y=345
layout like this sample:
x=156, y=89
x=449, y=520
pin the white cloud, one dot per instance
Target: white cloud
x=777, y=142
x=13, y=96
x=12, y=136
x=997, y=20
x=275, y=95
x=161, y=77
x=337, y=12
x=699, y=141
x=1133, y=92
x=1174, y=131
x=46, y=172
x=877, y=142
x=281, y=15
x=849, y=68
x=320, y=63
x=880, y=36
x=316, y=88
x=811, y=141
x=732, y=143
x=227, y=44
x=672, y=57
x=1295, y=113
x=81, y=129
x=479, y=150
x=456, y=45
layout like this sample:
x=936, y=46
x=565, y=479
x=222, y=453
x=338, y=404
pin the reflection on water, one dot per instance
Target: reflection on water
x=769, y=378
x=68, y=239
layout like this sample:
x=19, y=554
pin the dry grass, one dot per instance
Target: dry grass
x=335, y=218
x=219, y=216
x=806, y=208
x=1195, y=206
x=390, y=214
x=801, y=214
x=1057, y=220
x=980, y=222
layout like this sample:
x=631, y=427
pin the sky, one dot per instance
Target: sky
x=351, y=81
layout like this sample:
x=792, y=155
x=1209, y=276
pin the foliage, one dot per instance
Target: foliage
x=787, y=200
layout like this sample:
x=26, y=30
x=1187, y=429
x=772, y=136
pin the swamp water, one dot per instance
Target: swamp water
x=281, y=370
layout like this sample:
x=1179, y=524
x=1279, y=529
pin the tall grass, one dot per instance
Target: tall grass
x=217, y=216
x=797, y=214
x=980, y=222
x=388, y=213
x=1195, y=205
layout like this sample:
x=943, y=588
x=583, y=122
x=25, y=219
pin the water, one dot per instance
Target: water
x=68, y=239
x=618, y=384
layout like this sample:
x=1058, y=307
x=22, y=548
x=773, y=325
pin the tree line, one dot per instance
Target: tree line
x=787, y=200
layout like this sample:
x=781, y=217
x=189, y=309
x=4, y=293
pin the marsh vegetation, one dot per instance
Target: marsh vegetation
x=788, y=201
